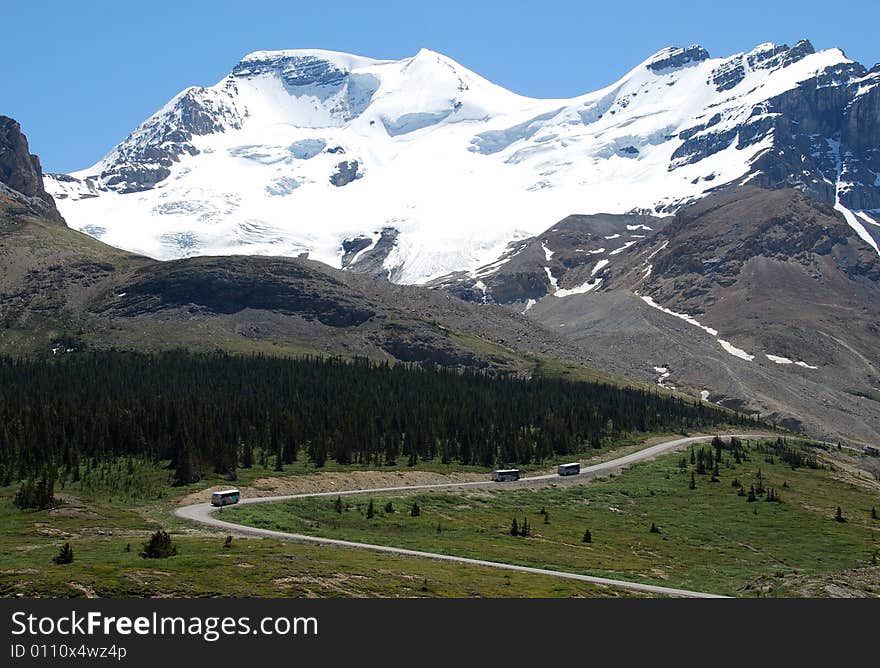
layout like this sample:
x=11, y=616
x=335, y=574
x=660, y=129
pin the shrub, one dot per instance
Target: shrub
x=160, y=546
x=65, y=556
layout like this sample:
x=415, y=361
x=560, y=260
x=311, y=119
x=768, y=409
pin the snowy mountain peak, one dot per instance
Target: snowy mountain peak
x=675, y=57
x=301, y=67
x=426, y=167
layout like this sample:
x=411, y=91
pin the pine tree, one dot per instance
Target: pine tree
x=65, y=556
x=654, y=528
x=371, y=510
x=439, y=528
x=588, y=537
x=514, y=528
x=228, y=542
x=693, y=482
x=752, y=496
x=247, y=455
x=838, y=516
x=873, y=512
x=160, y=546
x=389, y=507
x=415, y=511
x=337, y=505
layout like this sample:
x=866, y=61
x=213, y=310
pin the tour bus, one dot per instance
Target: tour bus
x=502, y=475
x=225, y=498
x=569, y=469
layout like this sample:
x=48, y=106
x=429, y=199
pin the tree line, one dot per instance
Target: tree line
x=214, y=412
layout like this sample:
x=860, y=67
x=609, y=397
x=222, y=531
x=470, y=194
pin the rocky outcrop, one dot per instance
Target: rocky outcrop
x=561, y=258
x=824, y=132
x=294, y=69
x=346, y=172
x=144, y=158
x=21, y=173
x=678, y=57
x=364, y=256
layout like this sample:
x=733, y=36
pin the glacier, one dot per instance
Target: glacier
x=297, y=151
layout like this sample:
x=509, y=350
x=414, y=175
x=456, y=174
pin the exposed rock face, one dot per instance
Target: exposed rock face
x=777, y=305
x=144, y=158
x=708, y=247
x=677, y=57
x=568, y=255
x=823, y=134
x=20, y=171
x=295, y=70
x=363, y=256
x=346, y=172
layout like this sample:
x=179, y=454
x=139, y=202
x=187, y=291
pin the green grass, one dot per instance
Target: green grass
x=204, y=568
x=119, y=504
x=710, y=539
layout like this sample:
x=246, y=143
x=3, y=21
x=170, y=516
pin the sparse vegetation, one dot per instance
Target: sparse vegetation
x=793, y=537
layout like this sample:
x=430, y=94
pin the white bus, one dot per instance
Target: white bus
x=225, y=497
x=502, y=475
x=569, y=469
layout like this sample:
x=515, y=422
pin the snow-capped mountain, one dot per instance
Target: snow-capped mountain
x=419, y=167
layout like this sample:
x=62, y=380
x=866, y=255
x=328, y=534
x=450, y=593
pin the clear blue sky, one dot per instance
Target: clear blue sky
x=80, y=75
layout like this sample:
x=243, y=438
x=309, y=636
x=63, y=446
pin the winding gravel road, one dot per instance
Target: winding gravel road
x=204, y=513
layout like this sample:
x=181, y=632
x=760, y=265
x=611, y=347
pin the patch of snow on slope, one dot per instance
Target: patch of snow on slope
x=623, y=248
x=553, y=281
x=662, y=246
x=683, y=316
x=548, y=254
x=579, y=290
x=663, y=376
x=600, y=265
x=736, y=352
x=363, y=251
x=726, y=345
x=850, y=217
x=868, y=219
x=785, y=360
x=778, y=359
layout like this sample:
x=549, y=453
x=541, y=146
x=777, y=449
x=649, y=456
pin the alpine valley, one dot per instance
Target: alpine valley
x=705, y=225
